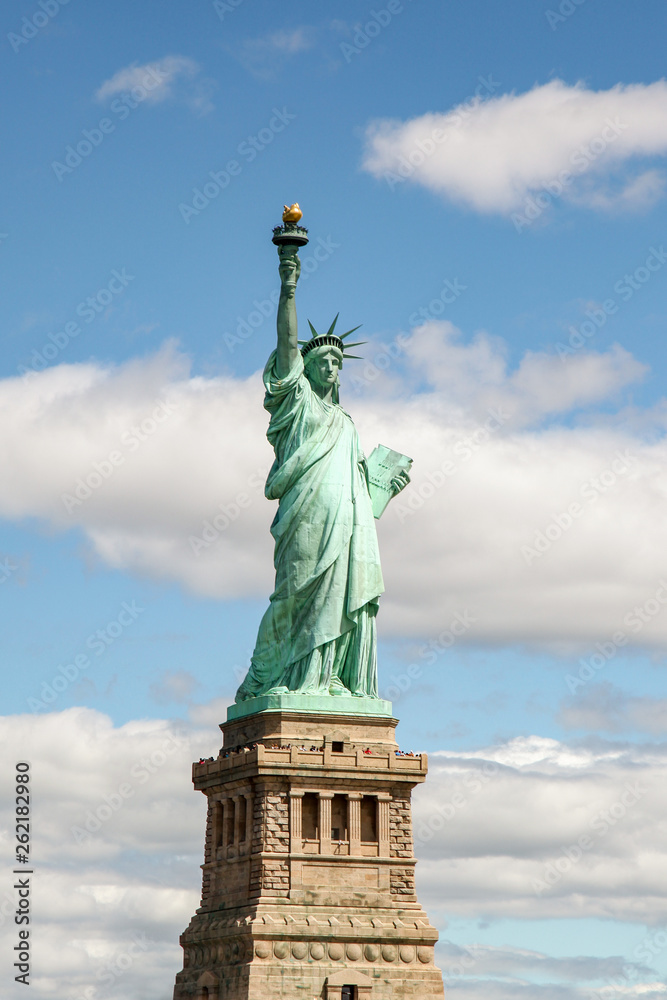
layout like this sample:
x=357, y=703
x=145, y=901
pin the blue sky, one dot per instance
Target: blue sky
x=128, y=291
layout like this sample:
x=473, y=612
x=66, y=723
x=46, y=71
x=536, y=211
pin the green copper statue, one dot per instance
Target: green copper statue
x=318, y=636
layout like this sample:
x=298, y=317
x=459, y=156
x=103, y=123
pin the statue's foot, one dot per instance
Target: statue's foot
x=279, y=689
x=337, y=688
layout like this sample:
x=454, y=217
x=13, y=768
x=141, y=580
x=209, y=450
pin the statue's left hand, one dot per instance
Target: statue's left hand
x=400, y=481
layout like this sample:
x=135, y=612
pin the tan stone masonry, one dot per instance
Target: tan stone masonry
x=308, y=874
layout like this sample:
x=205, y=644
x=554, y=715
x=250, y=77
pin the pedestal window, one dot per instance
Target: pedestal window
x=229, y=823
x=309, y=816
x=218, y=818
x=339, y=817
x=369, y=825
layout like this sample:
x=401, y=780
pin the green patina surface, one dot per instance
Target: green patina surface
x=317, y=643
x=314, y=704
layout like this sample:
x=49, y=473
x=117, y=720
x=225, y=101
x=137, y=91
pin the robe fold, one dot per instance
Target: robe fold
x=318, y=633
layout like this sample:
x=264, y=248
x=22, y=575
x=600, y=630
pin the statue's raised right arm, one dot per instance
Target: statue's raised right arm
x=288, y=344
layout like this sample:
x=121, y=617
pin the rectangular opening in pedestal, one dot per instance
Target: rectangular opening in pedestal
x=217, y=823
x=229, y=821
x=348, y=993
x=337, y=746
x=339, y=817
x=309, y=817
x=241, y=819
x=369, y=834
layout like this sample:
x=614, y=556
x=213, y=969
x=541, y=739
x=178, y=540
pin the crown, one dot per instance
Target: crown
x=330, y=339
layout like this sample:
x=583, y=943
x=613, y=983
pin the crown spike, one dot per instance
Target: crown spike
x=358, y=344
x=313, y=330
x=331, y=328
x=355, y=357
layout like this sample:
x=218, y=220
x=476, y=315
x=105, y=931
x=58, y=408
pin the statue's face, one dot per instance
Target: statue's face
x=323, y=367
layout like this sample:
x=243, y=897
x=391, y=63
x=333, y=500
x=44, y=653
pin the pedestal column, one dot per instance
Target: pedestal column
x=296, y=820
x=383, y=825
x=325, y=821
x=236, y=799
x=249, y=800
x=354, y=821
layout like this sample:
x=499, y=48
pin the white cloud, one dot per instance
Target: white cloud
x=470, y=379
x=534, y=829
x=155, y=81
x=290, y=42
x=118, y=832
x=484, y=527
x=129, y=884
x=173, y=686
x=489, y=989
x=637, y=194
x=140, y=516
x=511, y=962
x=481, y=972
x=265, y=55
x=605, y=708
x=498, y=152
x=209, y=714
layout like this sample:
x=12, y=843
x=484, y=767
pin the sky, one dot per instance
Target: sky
x=485, y=191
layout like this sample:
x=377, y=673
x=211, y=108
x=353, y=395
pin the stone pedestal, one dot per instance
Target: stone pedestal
x=308, y=887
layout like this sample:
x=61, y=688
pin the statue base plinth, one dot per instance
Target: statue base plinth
x=319, y=704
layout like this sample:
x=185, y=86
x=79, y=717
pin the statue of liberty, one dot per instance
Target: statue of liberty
x=318, y=635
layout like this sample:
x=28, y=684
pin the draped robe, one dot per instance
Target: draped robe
x=318, y=634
